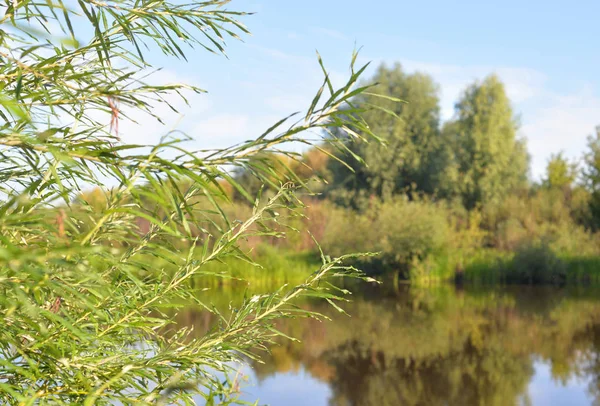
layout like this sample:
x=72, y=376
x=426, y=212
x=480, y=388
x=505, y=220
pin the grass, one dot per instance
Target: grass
x=456, y=265
x=276, y=268
x=533, y=266
x=530, y=265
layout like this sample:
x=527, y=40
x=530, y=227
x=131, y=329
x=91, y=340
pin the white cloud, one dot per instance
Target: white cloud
x=329, y=33
x=287, y=104
x=522, y=84
x=220, y=130
x=281, y=55
x=562, y=123
x=298, y=97
x=212, y=127
x=146, y=130
x=226, y=129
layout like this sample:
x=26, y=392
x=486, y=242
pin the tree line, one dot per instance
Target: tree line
x=430, y=187
x=476, y=157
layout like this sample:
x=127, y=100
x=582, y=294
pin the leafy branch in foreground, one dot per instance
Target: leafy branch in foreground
x=84, y=309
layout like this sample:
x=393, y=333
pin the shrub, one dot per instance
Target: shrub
x=346, y=228
x=531, y=263
x=411, y=229
x=399, y=229
x=542, y=217
x=535, y=264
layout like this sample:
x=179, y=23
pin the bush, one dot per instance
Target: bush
x=400, y=230
x=531, y=263
x=412, y=229
x=542, y=217
x=536, y=264
x=347, y=228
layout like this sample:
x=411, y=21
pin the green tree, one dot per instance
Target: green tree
x=489, y=158
x=560, y=173
x=85, y=298
x=591, y=177
x=411, y=158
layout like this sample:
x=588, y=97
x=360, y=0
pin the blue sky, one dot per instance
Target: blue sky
x=547, y=53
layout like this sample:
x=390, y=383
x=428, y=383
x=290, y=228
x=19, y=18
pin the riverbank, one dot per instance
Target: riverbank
x=532, y=265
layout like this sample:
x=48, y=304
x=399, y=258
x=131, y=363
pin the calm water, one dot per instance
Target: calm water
x=442, y=346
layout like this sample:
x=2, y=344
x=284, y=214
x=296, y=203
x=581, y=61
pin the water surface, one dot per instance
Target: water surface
x=439, y=346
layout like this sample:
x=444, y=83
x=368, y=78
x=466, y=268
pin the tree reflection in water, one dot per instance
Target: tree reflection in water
x=440, y=346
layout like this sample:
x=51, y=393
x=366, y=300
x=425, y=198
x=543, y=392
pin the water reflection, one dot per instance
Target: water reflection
x=442, y=346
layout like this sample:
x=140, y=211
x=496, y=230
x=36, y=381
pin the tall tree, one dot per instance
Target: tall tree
x=591, y=176
x=489, y=158
x=410, y=160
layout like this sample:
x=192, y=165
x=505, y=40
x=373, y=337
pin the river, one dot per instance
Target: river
x=435, y=346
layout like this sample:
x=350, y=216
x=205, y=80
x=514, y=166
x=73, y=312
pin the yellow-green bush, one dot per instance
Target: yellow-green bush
x=542, y=217
x=400, y=230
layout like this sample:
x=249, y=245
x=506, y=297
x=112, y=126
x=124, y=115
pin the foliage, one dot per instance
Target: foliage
x=591, y=177
x=579, y=204
x=490, y=160
x=535, y=264
x=543, y=216
x=431, y=242
x=399, y=229
x=309, y=169
x=82, y=315
x=411, y=157
x=274, y=267
x=472, y=176
x=560, y=173
x=532, y=264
